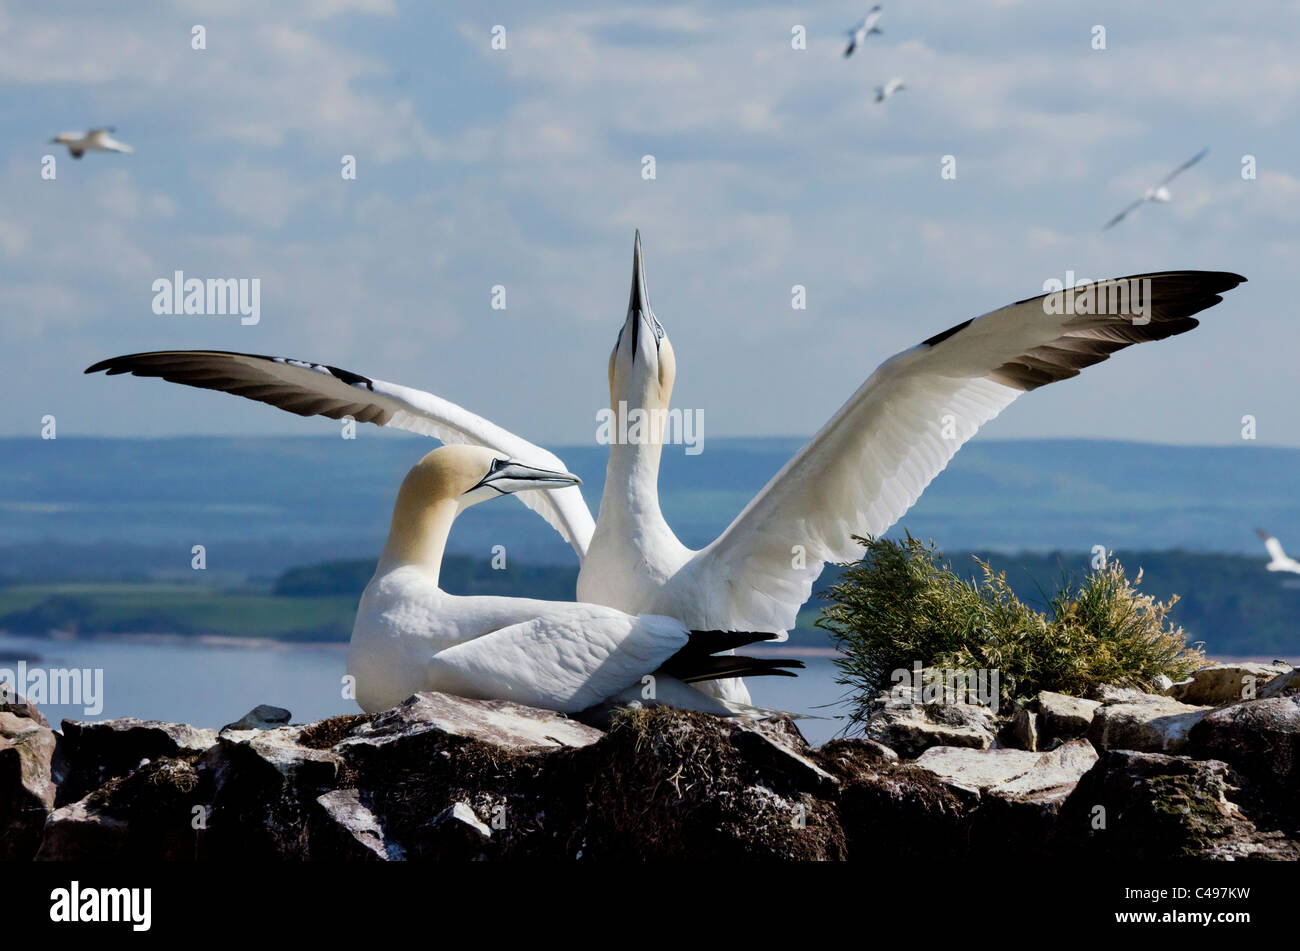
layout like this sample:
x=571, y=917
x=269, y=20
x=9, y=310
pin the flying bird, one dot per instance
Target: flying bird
x=889, y=88
x=857, y=476
x=1281, y=561
x=1157, y=193
x=96, y=140
x=859, y=35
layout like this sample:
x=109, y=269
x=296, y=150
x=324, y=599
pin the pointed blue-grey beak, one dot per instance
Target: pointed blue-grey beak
x=638, y=304
x=507, y=477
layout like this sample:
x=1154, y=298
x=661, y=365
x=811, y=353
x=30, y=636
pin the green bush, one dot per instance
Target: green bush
x=899, y=604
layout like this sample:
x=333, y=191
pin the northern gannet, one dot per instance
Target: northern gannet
x=1159, y=192
x=1281, y=561
x=857, y=476
x=410, y=635
x=96, y=140
x=889, y=88
x=859, y=34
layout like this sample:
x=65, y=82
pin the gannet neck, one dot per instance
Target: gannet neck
x=632, y=479
x=418, y=536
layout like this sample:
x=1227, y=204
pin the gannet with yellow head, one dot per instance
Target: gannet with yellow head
x=410, y=635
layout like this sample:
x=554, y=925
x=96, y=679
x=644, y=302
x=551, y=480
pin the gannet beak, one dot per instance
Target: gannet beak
x=638, y=304
x=508, y=477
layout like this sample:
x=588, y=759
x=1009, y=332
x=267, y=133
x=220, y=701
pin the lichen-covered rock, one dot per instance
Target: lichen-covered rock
x=343, y=828
x=447, y=779
x=910, y=728
x=1217, y=684
x=98, y=751
x=261, y=786
x=150, y=814
x=1260, y=738
x=28, y=783
x=1152, y=806
x=1146, y=723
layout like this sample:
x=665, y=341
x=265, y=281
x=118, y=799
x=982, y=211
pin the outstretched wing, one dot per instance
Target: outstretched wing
x=867, y=466
x=1184, y=167
x=315, y=389
x=1122, y=215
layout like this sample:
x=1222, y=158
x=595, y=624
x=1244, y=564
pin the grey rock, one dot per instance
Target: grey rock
x=261, y=717
x=457, y=834
x=1063, y=717
x=1014, y=774
x=15, y=703
x=1157, y=807
x=911, y=728
x=1024, y=729
x=1217, y=684
x=1282, y=686
x=101, y=750
x=28, y=783
x=1146, y=723
x=497, y=722
x=344, y=828
x=772, y=745
x=1260, y=738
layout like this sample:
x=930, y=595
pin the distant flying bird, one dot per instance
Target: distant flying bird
x=889, y=88
x=1159, y=192
x=865, y=28
x=1281, y=561
x=96, y=140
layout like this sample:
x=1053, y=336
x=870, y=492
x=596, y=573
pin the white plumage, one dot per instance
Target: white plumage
x=857, y=476
x=1280, y=560
x=96, y=140
x=411, y=636
x=858, y=35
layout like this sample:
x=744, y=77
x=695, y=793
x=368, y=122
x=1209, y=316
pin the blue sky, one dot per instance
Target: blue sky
x=522, y=168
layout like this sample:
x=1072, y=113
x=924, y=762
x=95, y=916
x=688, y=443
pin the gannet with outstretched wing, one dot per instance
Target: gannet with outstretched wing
x=1281, y=561
x=410, y=635
x=863, y=470
x=858, y=35
x=1158, y=192
x=96, y=140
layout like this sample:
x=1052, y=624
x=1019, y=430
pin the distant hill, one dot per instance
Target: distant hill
x=114, y=508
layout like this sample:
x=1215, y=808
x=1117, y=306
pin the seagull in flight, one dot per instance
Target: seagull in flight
x=96, y=140
x=1159, y=192
x=889, y=88
x=864, y=29
x=1281, y=560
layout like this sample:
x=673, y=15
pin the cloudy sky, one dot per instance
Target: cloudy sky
x=523, y=167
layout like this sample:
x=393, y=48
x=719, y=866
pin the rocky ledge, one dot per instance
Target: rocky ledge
x=1195, y=773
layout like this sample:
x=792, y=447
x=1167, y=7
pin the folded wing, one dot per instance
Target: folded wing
x=567, y=661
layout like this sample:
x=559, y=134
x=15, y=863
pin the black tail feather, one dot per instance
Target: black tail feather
x=731, y=665
x=701, y=659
